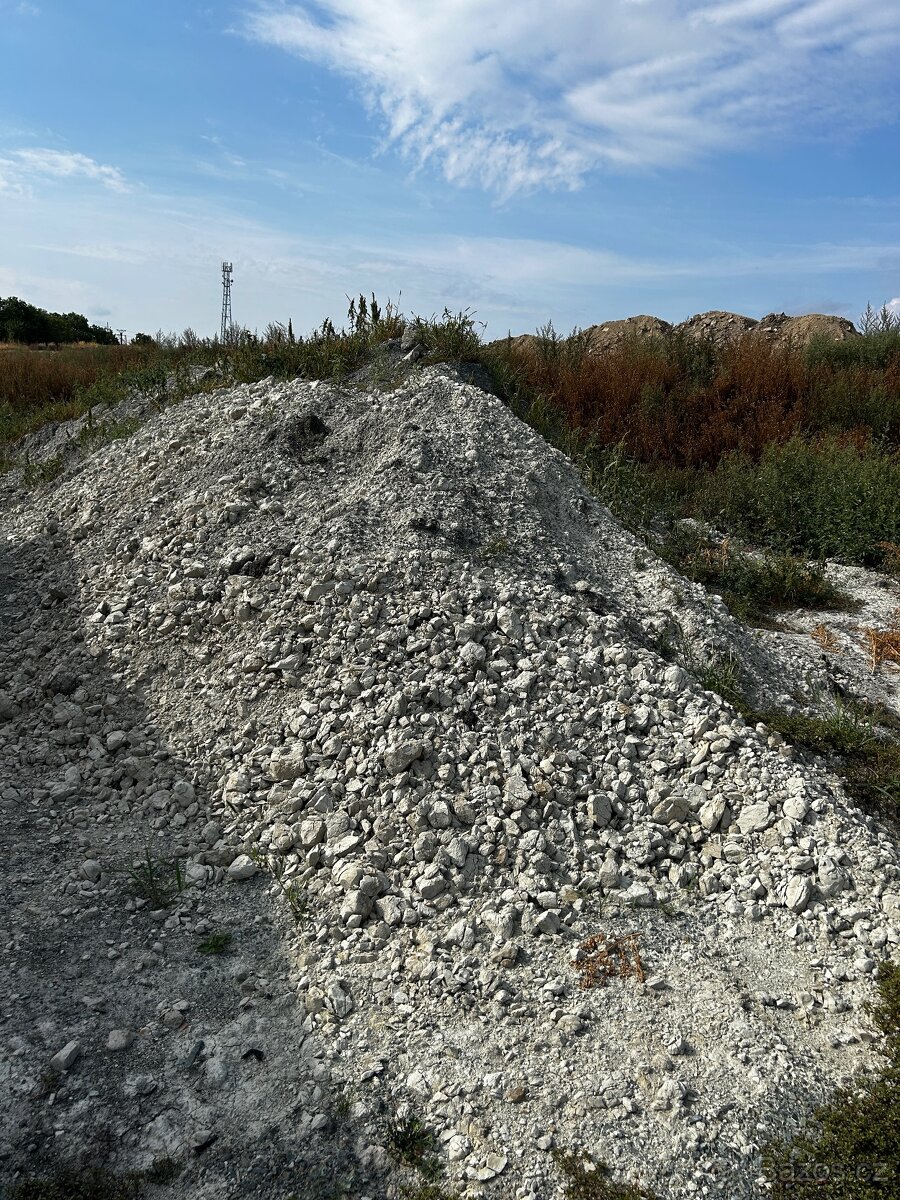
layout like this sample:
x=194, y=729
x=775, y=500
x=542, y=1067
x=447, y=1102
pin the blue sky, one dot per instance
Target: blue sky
x=580, y=161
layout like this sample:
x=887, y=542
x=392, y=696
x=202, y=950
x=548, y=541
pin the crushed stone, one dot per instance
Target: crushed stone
x=387, y=681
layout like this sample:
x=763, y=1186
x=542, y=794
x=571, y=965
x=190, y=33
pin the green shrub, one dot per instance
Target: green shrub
x=751, y=586
x=823, y=500
x=589, y=1180
x=867, y=758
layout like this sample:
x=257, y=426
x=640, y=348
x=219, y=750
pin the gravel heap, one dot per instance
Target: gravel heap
x=611, y=334
x=721, y=328
x=799, y=331
x=549, y=890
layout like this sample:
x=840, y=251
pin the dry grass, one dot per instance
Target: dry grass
x=826, y=639
x=685, y=404
x=601, y=958
x=890, y=562
x=884, y=644
x=37, y=386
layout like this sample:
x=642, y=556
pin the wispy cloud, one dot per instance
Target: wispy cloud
x=515, y=96
x=21, y=168
x=19, y=8
x=154, y=259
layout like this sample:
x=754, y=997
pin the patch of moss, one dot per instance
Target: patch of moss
x=589, y=1180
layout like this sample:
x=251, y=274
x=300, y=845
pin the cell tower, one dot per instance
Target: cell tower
x=227, y=270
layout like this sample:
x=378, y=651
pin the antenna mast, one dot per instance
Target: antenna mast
x=227, y=270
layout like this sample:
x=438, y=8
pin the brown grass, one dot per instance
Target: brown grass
x=884, y=644
x=38, y=386
x=601, y=958
x=826, y=639
x=29, y=378
x=683, y=405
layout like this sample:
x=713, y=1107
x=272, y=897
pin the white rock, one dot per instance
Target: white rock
x=340, y=1001
x=798, y=893
x=401, y=756
x=711, y=812
x=472, y=655
x=243, y=867
x=753, y=818
x=119, y=1039
x=795, y=807
x=600, y=810
x=91, y=870
x=65, y=1059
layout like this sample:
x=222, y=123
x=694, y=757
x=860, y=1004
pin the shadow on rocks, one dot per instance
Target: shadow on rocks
x=105, y=1000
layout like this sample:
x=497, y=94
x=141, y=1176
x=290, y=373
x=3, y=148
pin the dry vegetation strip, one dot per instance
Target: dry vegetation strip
x=684, y=403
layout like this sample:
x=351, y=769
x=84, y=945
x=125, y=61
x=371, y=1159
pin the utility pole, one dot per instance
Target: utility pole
x=123, y=340
x=227, y=270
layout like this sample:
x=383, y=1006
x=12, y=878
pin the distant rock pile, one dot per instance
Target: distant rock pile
x=721, y=328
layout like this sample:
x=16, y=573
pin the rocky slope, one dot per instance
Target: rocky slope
x=386, y=677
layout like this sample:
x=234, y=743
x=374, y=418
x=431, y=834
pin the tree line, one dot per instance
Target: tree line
x=29, y=325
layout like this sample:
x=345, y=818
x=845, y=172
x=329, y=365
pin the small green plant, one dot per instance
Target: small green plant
x=73, y=1183
x=163, y=1171
x=497, y=547
x=159, y=881
x=39, y=474
x=64, y=1181
x=865, y=756
x=216, y=943
x=93, y=436
x=723, y=676
x=297, y=898
x=453, y=338
x=412, y=1143
x=850, y=1149
x=751, y=585
x=427, y=1191
x=589, y=1180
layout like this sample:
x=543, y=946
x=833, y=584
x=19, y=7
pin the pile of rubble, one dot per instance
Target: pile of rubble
x=388, y=683
x=721, y=328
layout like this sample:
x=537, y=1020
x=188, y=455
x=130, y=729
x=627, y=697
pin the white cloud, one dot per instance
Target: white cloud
x=894, y=306
x=520, y=95
x=22, y=168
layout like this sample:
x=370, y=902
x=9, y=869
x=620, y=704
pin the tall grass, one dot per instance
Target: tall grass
x=794, y=450
x=685, y=403
x=37, y=386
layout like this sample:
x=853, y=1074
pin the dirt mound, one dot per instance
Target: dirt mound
x=382, y=655
x=521, y=342
x=799, y=331
x=612, y=333
x=721, y=327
